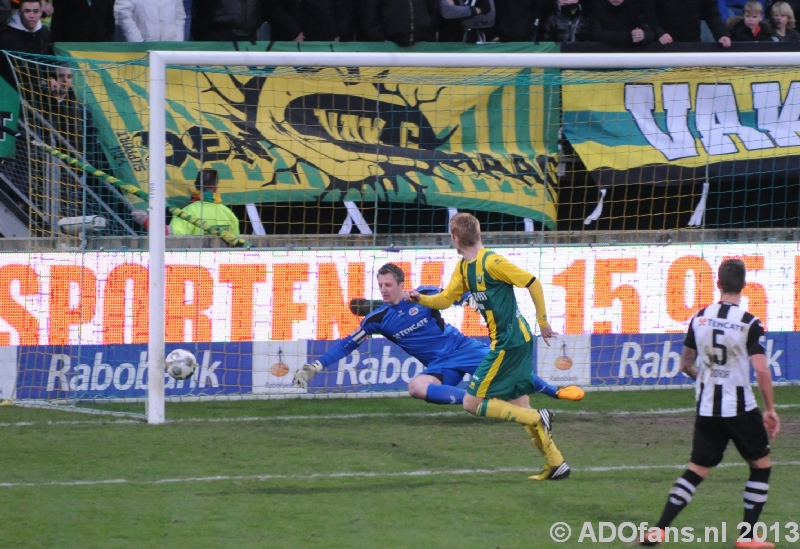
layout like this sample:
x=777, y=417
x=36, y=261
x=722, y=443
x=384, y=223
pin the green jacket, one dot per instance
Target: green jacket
x=219, y=215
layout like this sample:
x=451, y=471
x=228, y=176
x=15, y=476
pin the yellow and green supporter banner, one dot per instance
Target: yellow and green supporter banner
x=483, y=140
x=9, y=118
x=683, y=125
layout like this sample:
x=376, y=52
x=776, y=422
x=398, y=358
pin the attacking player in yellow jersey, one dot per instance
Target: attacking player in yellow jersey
x=500, y=386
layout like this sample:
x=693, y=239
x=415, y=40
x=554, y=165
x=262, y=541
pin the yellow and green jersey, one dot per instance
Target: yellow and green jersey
x=491, y=279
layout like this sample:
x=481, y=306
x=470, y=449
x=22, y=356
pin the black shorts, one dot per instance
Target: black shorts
x=711, y=436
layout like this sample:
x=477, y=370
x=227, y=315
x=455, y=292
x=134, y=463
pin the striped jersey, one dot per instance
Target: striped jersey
x=725, y=337
x=491, y=279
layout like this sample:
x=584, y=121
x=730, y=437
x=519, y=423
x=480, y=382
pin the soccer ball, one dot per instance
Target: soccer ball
x=181, y=364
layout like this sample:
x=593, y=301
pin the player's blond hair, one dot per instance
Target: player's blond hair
x=467, y=228
x=753, y=7
x=783, y=8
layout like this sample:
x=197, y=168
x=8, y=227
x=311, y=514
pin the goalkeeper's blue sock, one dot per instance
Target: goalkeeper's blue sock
x=541, y=386
x=444, y=394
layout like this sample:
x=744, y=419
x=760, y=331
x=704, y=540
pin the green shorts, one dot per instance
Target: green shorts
x=504, y=373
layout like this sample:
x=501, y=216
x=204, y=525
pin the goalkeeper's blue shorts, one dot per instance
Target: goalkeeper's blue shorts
x=463, y=359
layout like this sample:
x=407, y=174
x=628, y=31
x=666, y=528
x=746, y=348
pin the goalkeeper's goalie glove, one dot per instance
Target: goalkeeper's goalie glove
x=304, y=374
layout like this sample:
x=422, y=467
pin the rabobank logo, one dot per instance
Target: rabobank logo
x=279, y=368
x=69, y=374
x=389, y=366
x=638, y=359
x=566, y=361
x=658, y=362
x=113, y=371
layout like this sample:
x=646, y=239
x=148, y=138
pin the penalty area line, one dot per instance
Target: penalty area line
x=360, y=474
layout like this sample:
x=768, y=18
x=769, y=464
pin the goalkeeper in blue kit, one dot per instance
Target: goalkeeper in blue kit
x=446, y=353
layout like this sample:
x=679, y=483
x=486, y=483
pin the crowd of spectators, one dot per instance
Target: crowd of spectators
x=620, y=23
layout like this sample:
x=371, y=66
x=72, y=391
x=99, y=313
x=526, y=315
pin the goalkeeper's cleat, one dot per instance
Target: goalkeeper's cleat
x=571, y=392
x=653, y=537
x=552, y=473
x=753, y=544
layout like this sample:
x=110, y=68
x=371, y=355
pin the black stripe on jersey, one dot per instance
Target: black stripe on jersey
x=429, y=291
x=747, y=318
x=700, y=397
x=723, y=310
x=376, y=316
x=716, y=411
x=690, y=341
x=701, y=312
x=437, y=316
x=740, y=401
x=531, y=281
x=754, y=334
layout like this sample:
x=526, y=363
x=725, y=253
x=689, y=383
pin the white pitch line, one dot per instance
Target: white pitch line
x=362, y=474
x=371, y=415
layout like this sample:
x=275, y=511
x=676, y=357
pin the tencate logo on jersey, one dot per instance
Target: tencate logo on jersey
x=404, y=332
x=716, y=118
x=714, y=323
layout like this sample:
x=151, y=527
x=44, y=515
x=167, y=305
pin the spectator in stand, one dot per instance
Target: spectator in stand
x=83, y=21
x=732, y=8
x=621, y=23
x=783, y=23
x=151, y=20
x=404, y=22
x=567, y=25
x=47, y=10
x=206, y=204
x=227, y=21
x=74, y=131
x=680, y=21
x=313, y=20
x=5, y=12
x=64, y=112
x=751, y=27
x=26, y=34
x=516, y=20
x=453, y=12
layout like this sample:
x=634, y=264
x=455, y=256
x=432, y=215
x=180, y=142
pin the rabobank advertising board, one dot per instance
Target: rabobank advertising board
x=264, y=368
x=642, y=359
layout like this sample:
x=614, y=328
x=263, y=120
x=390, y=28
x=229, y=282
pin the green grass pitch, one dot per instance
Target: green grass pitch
x=365, y=473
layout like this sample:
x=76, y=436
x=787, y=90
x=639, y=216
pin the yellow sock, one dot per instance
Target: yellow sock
x=502, y=410
x=535, y=438
x=552, y=454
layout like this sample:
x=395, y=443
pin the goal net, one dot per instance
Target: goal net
x=336, y=164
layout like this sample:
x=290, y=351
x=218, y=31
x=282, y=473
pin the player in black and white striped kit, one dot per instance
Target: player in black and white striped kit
x=721, y=342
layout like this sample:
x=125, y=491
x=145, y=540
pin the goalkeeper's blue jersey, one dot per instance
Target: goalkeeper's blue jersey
x=419, y=331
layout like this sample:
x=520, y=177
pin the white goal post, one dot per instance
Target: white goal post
x=160, y=60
